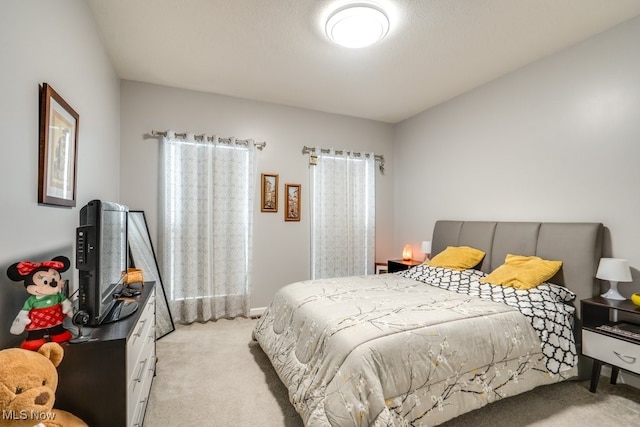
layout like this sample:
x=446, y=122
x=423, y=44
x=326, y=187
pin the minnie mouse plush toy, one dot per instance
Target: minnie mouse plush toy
x=43, y=312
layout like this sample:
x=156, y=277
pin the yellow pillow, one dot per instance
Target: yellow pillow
x=457, y=258
x=523, y=272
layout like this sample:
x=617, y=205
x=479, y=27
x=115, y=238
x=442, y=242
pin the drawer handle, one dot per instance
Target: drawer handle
x=140, y=328
x=142, y=369
x=141, y=406
x=624, y=358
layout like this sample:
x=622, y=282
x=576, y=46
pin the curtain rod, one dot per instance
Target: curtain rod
x=203, y=137
x=377, y=157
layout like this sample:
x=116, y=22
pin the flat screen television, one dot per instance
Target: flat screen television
x=101, y=257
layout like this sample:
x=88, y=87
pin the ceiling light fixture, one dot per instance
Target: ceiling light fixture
x=357, y=25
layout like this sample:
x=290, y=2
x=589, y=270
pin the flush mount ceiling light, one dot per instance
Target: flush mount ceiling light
x=358, y=25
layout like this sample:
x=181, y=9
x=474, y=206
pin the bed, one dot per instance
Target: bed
x=423, y=346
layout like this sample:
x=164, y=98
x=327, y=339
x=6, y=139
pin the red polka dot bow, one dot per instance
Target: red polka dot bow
x=26, y=267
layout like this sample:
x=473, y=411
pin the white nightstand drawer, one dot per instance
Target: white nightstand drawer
x=613, y=351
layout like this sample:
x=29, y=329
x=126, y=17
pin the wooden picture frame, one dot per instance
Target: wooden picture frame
x=269, y=193
x=292, y=202
x=58, y=157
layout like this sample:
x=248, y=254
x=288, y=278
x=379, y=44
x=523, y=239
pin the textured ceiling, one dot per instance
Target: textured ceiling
x=276, y=50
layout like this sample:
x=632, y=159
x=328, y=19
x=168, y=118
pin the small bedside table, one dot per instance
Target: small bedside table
x=607, y=340
x=399, y=264
x=381, y=268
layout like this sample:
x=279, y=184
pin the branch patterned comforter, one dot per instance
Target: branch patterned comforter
x=416, y=348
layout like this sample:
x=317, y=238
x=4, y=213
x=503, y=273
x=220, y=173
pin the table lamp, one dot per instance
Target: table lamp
x=407, y=253
x=426, y=249
x=614, y=270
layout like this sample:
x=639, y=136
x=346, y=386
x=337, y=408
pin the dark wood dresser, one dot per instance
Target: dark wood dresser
x=106, y=381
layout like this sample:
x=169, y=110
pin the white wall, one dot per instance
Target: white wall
x=281, y=249
x=558, y=140
x=54, y=42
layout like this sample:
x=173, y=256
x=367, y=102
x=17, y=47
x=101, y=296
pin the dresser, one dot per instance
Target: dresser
x=106, y=380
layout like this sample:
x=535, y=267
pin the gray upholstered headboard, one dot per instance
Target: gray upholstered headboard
x=577, y=244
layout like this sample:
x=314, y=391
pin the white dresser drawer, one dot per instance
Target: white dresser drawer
x=610, y=350
x=140, y=383
x=145, y=362
x=138, y=338
x=141, y=361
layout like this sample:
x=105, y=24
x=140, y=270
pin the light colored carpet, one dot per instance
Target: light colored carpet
x=213, y=374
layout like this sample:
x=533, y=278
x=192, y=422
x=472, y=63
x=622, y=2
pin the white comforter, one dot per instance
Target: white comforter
x=393, y=350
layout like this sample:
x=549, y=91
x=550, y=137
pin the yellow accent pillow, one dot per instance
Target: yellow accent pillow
x=523, y=272
x=457, y=258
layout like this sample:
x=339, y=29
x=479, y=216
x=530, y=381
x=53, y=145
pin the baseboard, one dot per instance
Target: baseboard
x=256, y=312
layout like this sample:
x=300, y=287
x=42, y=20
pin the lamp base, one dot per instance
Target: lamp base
x=613, y=293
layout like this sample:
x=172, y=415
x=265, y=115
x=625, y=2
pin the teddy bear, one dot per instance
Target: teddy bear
x=42, y=314
x=28, y=383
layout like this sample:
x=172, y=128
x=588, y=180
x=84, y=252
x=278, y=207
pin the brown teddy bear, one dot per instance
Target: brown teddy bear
x=28, y=382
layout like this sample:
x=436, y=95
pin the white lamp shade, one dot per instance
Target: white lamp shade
x=614, y=269
x=426, y=247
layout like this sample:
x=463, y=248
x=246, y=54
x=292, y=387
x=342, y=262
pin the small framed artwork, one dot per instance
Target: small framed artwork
x=58, y=150
x=292, y=204
x=269, y=193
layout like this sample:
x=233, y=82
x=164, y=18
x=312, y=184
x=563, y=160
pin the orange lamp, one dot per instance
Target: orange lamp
x=407, y=253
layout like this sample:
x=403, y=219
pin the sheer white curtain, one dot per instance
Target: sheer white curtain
x=342, y=215
x=206, y=230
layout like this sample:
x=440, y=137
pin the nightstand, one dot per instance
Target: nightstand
x=610, y=335
x=381, y=268
x=400, y=264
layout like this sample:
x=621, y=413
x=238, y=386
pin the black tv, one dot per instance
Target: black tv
x=101, y=257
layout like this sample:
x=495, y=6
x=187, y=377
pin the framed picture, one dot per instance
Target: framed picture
x=58, y=150
x=292, y=206
x=269, y=198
